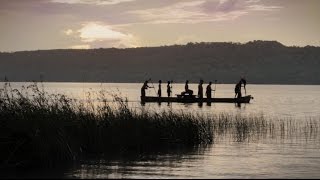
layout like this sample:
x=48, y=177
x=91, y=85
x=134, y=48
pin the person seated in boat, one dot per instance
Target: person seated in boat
x=200, y=89
x=208, y=90
x=143, y=89
x=169, y=89
x=187, y=90
x=159, y=90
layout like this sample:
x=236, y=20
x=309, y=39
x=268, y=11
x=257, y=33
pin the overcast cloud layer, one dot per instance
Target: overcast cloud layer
x=59, y=24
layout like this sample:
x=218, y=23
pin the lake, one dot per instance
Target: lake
x=296, y=157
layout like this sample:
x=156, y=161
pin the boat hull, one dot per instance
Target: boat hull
x=186, y=99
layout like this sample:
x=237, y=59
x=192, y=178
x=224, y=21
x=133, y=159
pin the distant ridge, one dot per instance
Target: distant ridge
x=261, y=62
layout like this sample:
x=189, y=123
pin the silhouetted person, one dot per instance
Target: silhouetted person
x=143, y=88
x=159, y=90
x=208, y=90
x=244, y=82
x=200, y=89
x=237, y=90
x=187, y=90
x=186, y=86
x=169, y=89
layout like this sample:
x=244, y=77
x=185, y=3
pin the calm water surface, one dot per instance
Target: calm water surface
x=265, y=158
x=295, y=101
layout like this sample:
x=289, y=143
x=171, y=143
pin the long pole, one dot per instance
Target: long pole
x=245, y=90
x=170, y=104
x=171, y=87
x=153, y=87
x=244, y=85
x=215, y=88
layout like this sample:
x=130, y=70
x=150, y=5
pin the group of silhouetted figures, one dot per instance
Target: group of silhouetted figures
x=145, y=86
x=200, y=89
x=189, y=92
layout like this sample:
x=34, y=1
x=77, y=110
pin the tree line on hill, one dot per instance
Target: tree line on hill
x=260, y=62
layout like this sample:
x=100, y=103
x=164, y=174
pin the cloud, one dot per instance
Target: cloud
x=257, y=7
x=176, y=13
x=82, y=46
x=201, y=11
x=68, y=32
x=98, y=34
x=227, y=6
x=222, y=6
x=95, y=2
x=114, y=25
x=252, y=1
x=183, y=39
x=94, y=31
x=142, y=11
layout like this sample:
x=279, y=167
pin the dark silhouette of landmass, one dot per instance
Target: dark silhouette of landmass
x=259, y=61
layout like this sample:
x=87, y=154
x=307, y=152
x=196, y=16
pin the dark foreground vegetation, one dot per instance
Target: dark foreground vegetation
x=40, y=129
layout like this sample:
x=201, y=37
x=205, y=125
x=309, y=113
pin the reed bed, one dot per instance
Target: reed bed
x=41, y=129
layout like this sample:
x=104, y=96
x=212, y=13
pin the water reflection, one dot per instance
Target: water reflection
x=237, y=105
x=163, y=163
x=199, y=104
x=294, y=153
x=228, y=159
x=298, y=101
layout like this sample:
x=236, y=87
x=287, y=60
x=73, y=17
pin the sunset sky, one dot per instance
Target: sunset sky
x=61, y=24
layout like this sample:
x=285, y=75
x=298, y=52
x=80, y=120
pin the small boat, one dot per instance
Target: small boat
x=194, y=99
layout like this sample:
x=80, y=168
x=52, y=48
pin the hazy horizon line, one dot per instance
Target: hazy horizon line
x=194, y=42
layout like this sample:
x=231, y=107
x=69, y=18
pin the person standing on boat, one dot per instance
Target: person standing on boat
x=143, y=89
x=237, y=90
x=244, y=82
x=159, y=90
x=208, y=90
x=200, y=89
x=169, y=89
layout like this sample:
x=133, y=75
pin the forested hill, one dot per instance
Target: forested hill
x=259, y=61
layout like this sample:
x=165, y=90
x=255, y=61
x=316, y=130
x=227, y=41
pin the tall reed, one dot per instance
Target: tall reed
x=38, y=128
x=42, y=129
